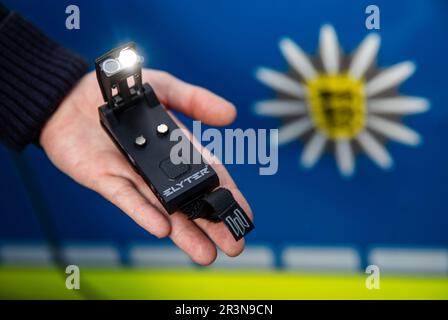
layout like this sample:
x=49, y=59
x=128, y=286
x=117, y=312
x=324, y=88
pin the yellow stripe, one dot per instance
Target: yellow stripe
x=47, y=283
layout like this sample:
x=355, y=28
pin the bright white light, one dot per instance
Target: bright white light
x=127, y=58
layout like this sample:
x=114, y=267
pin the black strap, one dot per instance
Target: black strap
x=220, y=205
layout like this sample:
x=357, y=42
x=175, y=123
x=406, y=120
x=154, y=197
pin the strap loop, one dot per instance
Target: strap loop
x=220, y=205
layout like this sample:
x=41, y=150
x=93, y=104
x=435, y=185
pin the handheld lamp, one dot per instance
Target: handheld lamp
x=140, y=128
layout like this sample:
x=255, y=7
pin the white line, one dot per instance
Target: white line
x=329, y=49
x=18, y=255
x=375, y=150
x=339, y=259
x=92, y=255
x=313, y=150
x=280, y=108
x=393, y=260
x=393, y=130
x=389, y=78
x=280, y=82
x=158, y=256
x=364, y=55
x=253, y=257
x=297, y=58
x=398, y=105
x=344, y=157
x=293, y=130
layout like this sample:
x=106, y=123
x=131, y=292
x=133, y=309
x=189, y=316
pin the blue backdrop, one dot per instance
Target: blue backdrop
x=218, y=44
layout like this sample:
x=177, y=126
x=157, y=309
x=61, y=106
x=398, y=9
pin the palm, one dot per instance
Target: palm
x=75, y=142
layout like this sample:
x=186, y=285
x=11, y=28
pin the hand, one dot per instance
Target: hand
x=75, y=142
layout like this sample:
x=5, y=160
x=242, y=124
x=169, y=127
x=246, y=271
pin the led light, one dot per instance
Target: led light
x=127, y=58
x=110, y=66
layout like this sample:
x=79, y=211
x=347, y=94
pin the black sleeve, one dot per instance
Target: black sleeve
x=35, y=75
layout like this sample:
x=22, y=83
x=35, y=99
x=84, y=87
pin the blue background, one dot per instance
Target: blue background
x=219, y=44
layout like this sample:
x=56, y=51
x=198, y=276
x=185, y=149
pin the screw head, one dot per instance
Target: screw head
x=140, y=141
x=162, y=128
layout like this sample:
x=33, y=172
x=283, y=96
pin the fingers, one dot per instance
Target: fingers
x=218, y=232
x=189, y=238
x=225, y=179
x=184, y=233
x=196, y=102
x=122, y=193
x=221, y=236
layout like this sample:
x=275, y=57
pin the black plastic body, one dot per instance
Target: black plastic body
x=119, y=80
x=175, y=186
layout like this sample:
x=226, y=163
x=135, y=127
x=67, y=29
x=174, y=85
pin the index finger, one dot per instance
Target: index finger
x=196, y=102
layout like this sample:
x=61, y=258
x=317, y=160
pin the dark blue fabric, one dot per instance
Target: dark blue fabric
x=36, y=74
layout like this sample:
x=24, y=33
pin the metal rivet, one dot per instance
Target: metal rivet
x=140, y=141
x=162, y=128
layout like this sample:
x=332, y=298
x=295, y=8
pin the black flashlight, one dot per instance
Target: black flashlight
x=140, y=127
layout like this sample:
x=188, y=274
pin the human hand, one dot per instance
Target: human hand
x=76, y=143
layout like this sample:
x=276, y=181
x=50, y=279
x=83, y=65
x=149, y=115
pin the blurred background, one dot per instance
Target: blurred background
x=326, y=230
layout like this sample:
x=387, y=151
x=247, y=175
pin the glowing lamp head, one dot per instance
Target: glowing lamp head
x=127, y=58
x=114, y=70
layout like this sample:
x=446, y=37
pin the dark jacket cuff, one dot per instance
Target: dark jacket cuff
x=3, y=12
x=36, y=74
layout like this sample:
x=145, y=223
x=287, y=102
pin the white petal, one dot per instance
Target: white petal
x=293, y=130
x=390, y=78
x=280, y=82
x=374, y=150
x=280, y=108
x=364, y=55
x=393, y=130
x=344, y=157
x=297, y=58
x=329, y=49
x=313, y=150
x=398, y=105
